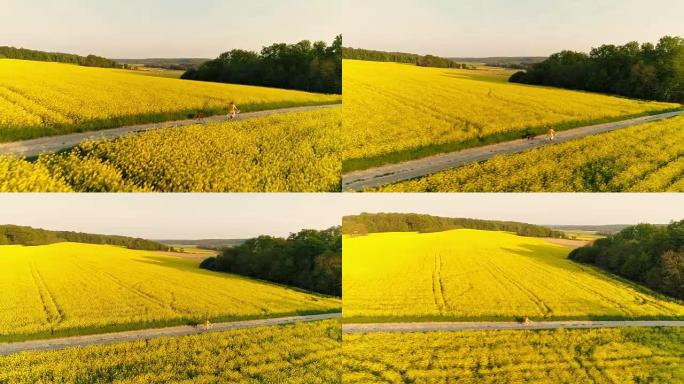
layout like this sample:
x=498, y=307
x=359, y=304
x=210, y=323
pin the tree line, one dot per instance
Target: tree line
x=28, y=236
x=366, y=223
x=309, y=259
x=313, y=67
x=648, y=254
x=28, y=54
x=646, y=71
x=399, y=57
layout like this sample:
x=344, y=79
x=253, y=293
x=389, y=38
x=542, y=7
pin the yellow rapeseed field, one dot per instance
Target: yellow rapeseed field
x=590, y=356
x=42, y=99
x=292, y=354
x=392, y=108
x=644, y=158
x=18, y=175
x=291, y=152
x=83, y=288
x=472, y=274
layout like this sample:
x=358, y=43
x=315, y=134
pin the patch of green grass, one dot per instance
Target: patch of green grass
x=474, y=319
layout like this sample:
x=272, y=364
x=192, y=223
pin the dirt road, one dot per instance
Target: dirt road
x=393, y=173
x=109, y=338
x=34, y=147
x=490, y=326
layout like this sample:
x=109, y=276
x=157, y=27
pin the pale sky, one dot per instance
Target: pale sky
x=196, y=216
x=477, y=28
x=164, y=28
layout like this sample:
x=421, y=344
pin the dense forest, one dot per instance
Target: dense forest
x=19, y=235
x=649, y=254
x=412, y=222
x=398, y=57
x=28, y=54
x=308, y=259
x=304, y=66
x=646, y=71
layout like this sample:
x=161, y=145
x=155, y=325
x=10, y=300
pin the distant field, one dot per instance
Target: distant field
x=159, y=72
x=599, y=356
x=395, y=112
x=481, y=275
x=43, y=99
x=643, y=158
x=583, y=235
x=299, y=353
x=70, y=288
x=290, y=152
x=188, y=248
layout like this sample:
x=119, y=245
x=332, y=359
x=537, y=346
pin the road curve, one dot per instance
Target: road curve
x=34, y=147
x=393, y=173
x=144, y=334
x=494, y=325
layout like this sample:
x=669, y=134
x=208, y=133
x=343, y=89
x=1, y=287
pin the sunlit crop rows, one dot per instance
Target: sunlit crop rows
x=39, y=99
x=298, y=152
x=470, y=274
x=625, y=356
x=392, y=107
x=69, y=286
x=645, y=158
x=299, y=353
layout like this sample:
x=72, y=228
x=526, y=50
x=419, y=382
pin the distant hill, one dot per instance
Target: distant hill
x=213, y=244
x=58, y=57
x=20, y=235
x=608, y=229
x=411, y=222
x=522, y=62
x=166, y=63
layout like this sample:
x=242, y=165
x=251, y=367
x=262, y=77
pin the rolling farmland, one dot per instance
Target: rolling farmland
x=395, y=112
x=644, y=158
x=628, y=355
x=44, y=99
x=475, y=275
x=304, y=352
x=71, y=288
x=287, y=152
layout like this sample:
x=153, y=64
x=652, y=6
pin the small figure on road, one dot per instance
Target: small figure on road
x=550, y=135
x=528, y=135
x=233, y=110
x=207, y=325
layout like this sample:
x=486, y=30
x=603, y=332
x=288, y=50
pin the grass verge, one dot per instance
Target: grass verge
x=471, y=319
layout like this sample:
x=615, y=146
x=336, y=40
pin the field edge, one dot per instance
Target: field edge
x=137, y=326
x=360, y=164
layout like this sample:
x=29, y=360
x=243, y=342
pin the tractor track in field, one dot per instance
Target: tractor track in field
x=51, y=144
x=146, y=334
x=438, y=285
x=52, y=311
x=407, y=170
x=353, y=328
